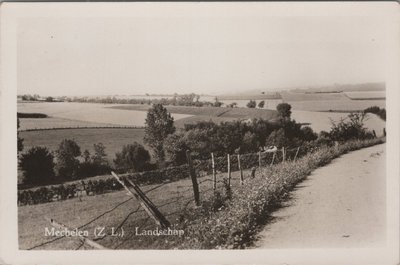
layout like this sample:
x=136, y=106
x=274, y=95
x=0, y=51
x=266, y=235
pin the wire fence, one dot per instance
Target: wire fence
x=171, y=198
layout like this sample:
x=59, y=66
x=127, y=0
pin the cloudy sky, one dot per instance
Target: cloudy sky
x=200, y=53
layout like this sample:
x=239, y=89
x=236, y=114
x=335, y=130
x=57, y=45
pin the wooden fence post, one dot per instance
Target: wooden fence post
x=273, y=158
x=229, y=170
x=297, y=152
x=283, y=154
x=259, y=159
x=241, y=171
x=213, y=172
x=145, y=202
x=81, y=237
x=194, y=179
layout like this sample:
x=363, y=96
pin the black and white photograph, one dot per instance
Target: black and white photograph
x=200, y=126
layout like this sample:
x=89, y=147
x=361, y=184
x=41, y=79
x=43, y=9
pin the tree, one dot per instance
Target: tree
x=284, y=110
x=38, y=165
x=20, y=141
x=49, y=99
x=133, y=156
x=67, y=163
x=277, y=138
x=175, y=147
x=217, y=103
x=159, y=124
x=99, y=157
x=307, y=134
x=261, y=104
x=251, y=104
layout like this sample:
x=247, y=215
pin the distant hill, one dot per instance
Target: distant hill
x=276, y=94
x=343, y=88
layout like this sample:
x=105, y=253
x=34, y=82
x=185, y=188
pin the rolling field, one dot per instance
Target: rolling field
x=112, y=138
x=50, y=123
x=93, y=114
x=344, y=101
x=320, y=121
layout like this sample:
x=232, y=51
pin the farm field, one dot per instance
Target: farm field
x=365, y=95
x=114, y=209
x=334, y=101
x=112, y=138
x=238, y=113
x=84, y=112
x=50, y=123
x=321, y=121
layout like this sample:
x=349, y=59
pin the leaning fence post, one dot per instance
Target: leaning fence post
x=213, y=172
x=297, y=152
x=193, y=177
x=145, y=202
x=240, y=168
x=229, y=170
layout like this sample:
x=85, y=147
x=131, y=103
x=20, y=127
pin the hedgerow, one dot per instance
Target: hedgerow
x=235, y=224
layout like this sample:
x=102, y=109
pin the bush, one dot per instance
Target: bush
x=133, y=156
x=175, y=146
x=378, y=111
x=350, y=128
x=38, y=165
x=67, y=163
x=251, y=104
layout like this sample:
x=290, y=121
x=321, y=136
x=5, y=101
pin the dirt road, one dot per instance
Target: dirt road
x=340, y=205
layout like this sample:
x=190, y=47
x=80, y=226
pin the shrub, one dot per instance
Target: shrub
x=67, y=163
x=378, y=111
x=175, y=146
x=350, y=128
x=261, y=104
x=251, y=104
x=133, y=156
x=38, y=165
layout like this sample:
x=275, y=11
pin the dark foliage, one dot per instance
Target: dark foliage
x=38, y=165
x=381, y=112
x=31, y=115
x=159, y=124
x=133, y=156
x=67, y=159
x=251, y=104
x=284, y=110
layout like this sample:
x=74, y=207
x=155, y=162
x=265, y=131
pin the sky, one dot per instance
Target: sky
x=200, y=53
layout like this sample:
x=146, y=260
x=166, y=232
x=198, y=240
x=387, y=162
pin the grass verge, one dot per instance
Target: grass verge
x=223, y=223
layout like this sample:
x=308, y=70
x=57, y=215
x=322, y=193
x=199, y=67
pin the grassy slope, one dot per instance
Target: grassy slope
x=172, y=199
x=54, y=122
x=112, y=138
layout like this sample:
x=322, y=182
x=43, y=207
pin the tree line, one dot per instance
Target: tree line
x=169, y=145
